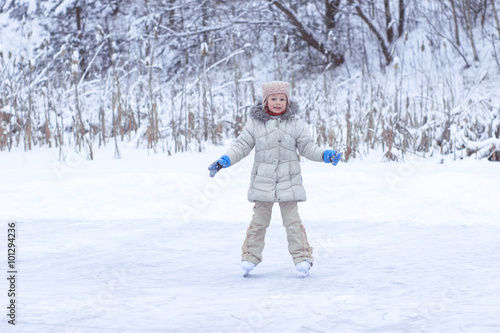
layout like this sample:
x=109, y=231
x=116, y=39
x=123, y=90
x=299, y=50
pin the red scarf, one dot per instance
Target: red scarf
x=275, y=114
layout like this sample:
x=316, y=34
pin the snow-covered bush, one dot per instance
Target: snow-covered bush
x=179, y=75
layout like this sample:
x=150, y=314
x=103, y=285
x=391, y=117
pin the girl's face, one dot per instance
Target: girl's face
x=276, y=103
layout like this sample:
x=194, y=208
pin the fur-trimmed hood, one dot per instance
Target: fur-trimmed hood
x=257, y=112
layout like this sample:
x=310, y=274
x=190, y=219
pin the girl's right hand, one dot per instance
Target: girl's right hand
x=223, y=162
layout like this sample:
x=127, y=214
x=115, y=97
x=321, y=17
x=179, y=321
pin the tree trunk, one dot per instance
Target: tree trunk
x=496, y=16
x=388, y=22
x=171, y=13
x=457, y=37
x=331, y=9
x=401, y=17
x=469, y=29
x=80, y=36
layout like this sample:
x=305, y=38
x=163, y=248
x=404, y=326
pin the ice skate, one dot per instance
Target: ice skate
x=303, y=268
x=247, y=266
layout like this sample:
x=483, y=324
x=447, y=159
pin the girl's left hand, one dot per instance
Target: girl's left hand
x=331, y=156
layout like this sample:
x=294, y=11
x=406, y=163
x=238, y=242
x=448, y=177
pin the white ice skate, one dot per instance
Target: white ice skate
x=247, y=266
x=303, y=268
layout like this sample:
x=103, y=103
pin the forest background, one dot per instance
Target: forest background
x=403, y=77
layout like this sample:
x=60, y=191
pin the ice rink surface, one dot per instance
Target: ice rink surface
x=150, y=243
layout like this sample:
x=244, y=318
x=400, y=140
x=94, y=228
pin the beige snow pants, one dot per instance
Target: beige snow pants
x=296, y=234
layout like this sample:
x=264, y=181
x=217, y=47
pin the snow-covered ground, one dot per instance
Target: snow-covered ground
x=150, y=243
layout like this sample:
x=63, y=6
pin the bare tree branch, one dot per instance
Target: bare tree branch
x=307, y=35
x=467, y=65
x=383, y=46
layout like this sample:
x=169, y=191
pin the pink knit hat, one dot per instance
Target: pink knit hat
x=275, y=87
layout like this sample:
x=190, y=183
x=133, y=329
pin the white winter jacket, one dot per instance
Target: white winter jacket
x=276, y=171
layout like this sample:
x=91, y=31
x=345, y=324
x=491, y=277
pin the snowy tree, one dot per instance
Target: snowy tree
x=176, y=75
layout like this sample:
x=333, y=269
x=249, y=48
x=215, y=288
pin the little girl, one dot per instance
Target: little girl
x=277, y=133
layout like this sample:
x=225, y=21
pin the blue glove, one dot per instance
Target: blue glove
x=223, y=162
x=331, y=156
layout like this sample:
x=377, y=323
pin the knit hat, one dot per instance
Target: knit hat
x=275, y=87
